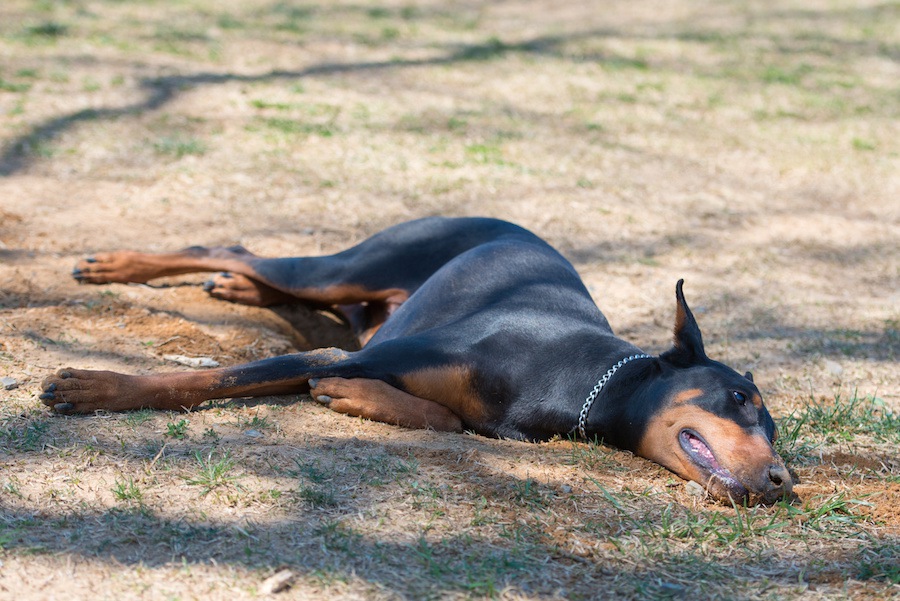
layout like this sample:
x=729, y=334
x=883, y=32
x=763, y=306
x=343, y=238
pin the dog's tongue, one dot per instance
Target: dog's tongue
x=702, y=450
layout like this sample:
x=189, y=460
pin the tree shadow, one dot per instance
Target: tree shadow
x=159, y=91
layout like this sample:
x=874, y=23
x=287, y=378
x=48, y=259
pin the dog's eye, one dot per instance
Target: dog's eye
x=739, y=397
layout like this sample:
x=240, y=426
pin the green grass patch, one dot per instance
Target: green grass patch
x=32, y=436
x=489, y=49
x=791, y=76
x=293, y=127
x=139, y=417
x=212, y=472
x=840, y=420
x=256, y=423
x=127, y=491
x=485, y=154
x=316, y=487
x=177, y=430
x=880, y=561
x=48, y=30
x=318, y=495
x=179, y=146
x=338, y=536
x=279, y=106
x=10, y=86
x=531, y=493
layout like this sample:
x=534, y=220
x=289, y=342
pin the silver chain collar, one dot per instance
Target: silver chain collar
x=582, y=417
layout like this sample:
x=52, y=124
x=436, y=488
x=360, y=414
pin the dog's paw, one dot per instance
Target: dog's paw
x=70, y=391
x=115, y=267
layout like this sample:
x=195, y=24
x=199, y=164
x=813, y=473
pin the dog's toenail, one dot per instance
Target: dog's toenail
x=313, y=382
x=65, y=374
x=47, y=396
x=63, y=407
x=90, y=260
x=208, y=285
x=226, y=275
x=324, y=399
x=51, y=388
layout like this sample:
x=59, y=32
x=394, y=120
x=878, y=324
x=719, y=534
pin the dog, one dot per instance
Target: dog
x=465, y=324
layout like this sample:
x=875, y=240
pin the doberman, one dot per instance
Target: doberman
x=466, y=324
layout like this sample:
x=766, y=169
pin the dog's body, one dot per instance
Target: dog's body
x=472, y=324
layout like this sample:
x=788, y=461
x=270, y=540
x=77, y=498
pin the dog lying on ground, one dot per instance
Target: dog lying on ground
x=465, y=324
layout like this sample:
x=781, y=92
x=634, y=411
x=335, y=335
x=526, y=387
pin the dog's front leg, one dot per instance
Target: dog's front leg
x=84, y=391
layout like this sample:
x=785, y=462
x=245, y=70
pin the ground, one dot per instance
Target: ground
x=748, y=147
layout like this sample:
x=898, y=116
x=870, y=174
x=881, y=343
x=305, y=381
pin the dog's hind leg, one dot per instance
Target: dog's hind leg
x=126, y=266
x=386, y=268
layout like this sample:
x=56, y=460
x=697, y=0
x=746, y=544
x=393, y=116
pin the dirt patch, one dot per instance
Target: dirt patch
x=750, y=149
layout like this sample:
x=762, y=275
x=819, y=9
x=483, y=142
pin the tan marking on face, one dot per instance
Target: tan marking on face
x=686, y=396
x=757, y=400
x=660, y=440
x=450, y=386
x=744, y=454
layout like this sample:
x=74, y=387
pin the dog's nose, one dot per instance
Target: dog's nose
x=778, y=475
x=780, y=483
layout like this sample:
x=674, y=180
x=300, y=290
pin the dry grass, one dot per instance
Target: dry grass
x=746, y=146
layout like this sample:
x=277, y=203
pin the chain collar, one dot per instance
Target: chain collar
x=582, y=417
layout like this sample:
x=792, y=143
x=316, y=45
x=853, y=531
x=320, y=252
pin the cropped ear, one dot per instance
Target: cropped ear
x=688, y=340
x=749, y=376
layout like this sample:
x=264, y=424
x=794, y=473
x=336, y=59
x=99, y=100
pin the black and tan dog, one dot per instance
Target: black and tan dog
x=466, y=324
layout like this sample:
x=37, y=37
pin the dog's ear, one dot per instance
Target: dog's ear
x=749, y=376
x=688, y=340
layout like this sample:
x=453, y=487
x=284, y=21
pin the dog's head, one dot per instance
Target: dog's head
x=712, y=426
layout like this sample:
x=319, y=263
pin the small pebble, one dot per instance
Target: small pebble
x=253, y=433
x=834, y=368
x=695, y=490
x=277, y=583
x=9, y=383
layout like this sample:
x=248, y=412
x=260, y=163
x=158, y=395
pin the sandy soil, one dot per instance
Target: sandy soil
x=749, y=149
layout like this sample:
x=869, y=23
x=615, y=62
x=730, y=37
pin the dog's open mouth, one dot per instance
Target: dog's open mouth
x=702, y=456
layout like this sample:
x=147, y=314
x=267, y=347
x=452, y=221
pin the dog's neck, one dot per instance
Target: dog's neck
x=598, y=389
x=619, y=413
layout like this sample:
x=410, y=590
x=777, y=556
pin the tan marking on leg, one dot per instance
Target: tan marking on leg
x=452, y=387
x=85, y=391
x=348, y=294
x=237, y=288
x=126, y=266
x=379, y=401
